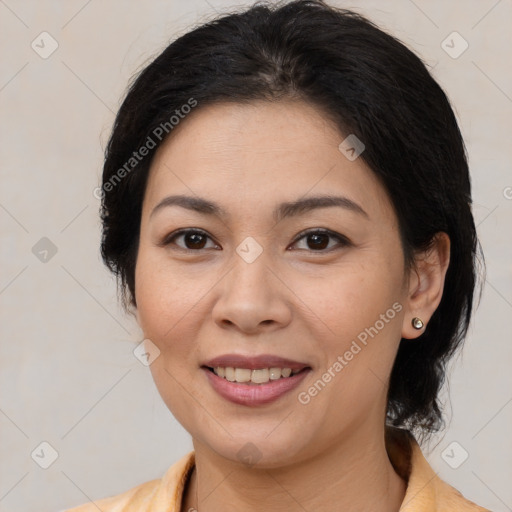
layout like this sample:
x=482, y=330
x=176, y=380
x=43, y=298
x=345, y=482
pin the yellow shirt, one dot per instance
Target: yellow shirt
x=426, y=492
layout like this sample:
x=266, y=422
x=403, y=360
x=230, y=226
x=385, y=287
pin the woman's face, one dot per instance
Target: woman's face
x=255, y=278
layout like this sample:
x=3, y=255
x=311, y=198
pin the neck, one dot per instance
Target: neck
x=356, y=475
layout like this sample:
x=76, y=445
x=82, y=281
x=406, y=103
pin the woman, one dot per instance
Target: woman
x=286, y=203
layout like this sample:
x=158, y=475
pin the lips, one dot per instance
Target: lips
x=254, y=362
x=248, y=393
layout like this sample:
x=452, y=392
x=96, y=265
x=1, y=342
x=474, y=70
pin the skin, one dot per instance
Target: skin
x=294, y=301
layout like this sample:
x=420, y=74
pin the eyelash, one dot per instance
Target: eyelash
x=342, y=240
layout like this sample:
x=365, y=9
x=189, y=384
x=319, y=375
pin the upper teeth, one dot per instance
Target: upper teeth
x=256, y=376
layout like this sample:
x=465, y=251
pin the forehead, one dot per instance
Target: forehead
x=255, y=155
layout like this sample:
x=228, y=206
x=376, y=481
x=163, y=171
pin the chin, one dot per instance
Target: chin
x=259, y=450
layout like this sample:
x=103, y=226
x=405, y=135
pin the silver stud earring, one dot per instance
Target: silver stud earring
x=417, y=323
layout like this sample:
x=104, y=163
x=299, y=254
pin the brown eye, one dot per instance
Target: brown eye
x=192, y=240
x=319, y=240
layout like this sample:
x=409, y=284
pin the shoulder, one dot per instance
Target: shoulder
x=426, y=491
x=133, y=499
x=158, y=495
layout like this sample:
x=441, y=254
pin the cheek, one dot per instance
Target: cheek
x=350, y=298
x=173, y=307
x=359, y=308
x=163, y=299
x=168, y=308
x=165, y=296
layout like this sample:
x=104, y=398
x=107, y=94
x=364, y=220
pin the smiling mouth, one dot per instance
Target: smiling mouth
x=254, y=376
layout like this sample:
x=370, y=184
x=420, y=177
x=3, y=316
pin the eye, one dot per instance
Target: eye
x=318, y=239
x=193, y=239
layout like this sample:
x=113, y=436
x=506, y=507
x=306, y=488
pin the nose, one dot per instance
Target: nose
x=252, y=298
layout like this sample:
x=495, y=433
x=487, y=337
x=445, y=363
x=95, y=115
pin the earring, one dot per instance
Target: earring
x=417, y=323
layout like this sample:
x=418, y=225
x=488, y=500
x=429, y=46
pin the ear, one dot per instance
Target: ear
x=426, y=284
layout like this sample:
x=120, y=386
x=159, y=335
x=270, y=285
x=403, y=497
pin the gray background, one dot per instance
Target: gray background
x=68, y=374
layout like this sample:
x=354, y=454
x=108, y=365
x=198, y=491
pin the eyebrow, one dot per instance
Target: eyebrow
x=284, y=210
